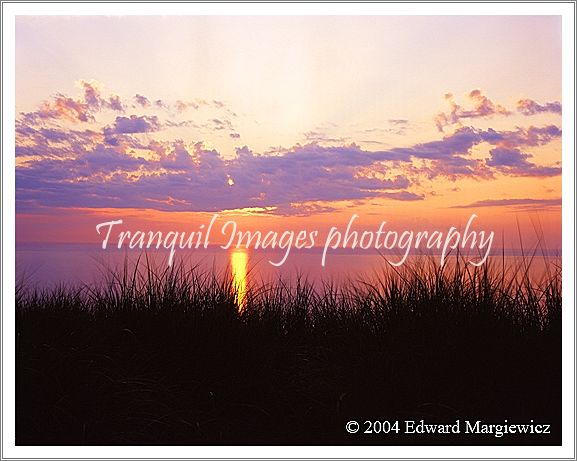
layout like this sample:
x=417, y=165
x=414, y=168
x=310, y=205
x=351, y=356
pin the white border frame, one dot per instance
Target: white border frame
x=10, y=451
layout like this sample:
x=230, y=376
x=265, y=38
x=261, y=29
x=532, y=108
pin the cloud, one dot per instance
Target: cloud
x=135, y=124
x=112, y=165
x=508, y=158
x=183, y=123
x=91, y=93
x=531, y=136
x=77, y=169
x=115, y=103
x=514, y=162
x=218, y=124
x=92, y=101
x=513, y=202
x=196, y=179
x=404, y=196
x=65, y=108
x=372, y=141
x=530, y=107
x=397, y=127
x=61, y=108
x=299, y=209
x=317, y=136
x=482, y=107
x=181, y=106
x=142, y=101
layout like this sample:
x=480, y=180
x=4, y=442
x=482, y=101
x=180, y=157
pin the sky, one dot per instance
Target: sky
x=288, y=122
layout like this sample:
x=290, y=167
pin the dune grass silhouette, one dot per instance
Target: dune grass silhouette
x=167, y=357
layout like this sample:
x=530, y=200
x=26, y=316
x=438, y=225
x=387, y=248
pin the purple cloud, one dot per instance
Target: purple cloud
x=190, y=177
x=115, y=103
x=530, y=107
x=514, y=162
x=91, y=94
x=404, y=196
x=224, y=124
x=181, y=106
x=64, y=108
x=508, y=157
x=482, y=107
x=317, y=136
x=142, y=101
x=107, y=166
x=513, y=202
x=197, y=179
x=60, y=108
x=135, y=124
x=92, y=101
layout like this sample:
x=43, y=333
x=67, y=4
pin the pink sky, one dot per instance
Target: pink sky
x=287, y=122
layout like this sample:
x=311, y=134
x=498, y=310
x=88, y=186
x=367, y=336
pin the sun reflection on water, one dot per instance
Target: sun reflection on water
x=238, y=267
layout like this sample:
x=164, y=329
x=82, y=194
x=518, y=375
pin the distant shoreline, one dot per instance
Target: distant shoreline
x=96, y=246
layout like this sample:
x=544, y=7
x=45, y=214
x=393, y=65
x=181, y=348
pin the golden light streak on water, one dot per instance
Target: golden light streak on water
x=238, y=267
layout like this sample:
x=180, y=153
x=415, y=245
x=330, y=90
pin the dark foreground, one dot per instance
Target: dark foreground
x=167, y=359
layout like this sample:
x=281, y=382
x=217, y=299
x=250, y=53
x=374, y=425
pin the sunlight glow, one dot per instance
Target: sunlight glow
x=238, y=266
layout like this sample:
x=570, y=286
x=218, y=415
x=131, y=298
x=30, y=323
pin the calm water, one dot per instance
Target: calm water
x=43, y=265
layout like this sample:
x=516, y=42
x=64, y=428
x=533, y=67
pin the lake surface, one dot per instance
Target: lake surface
x=46, y=265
